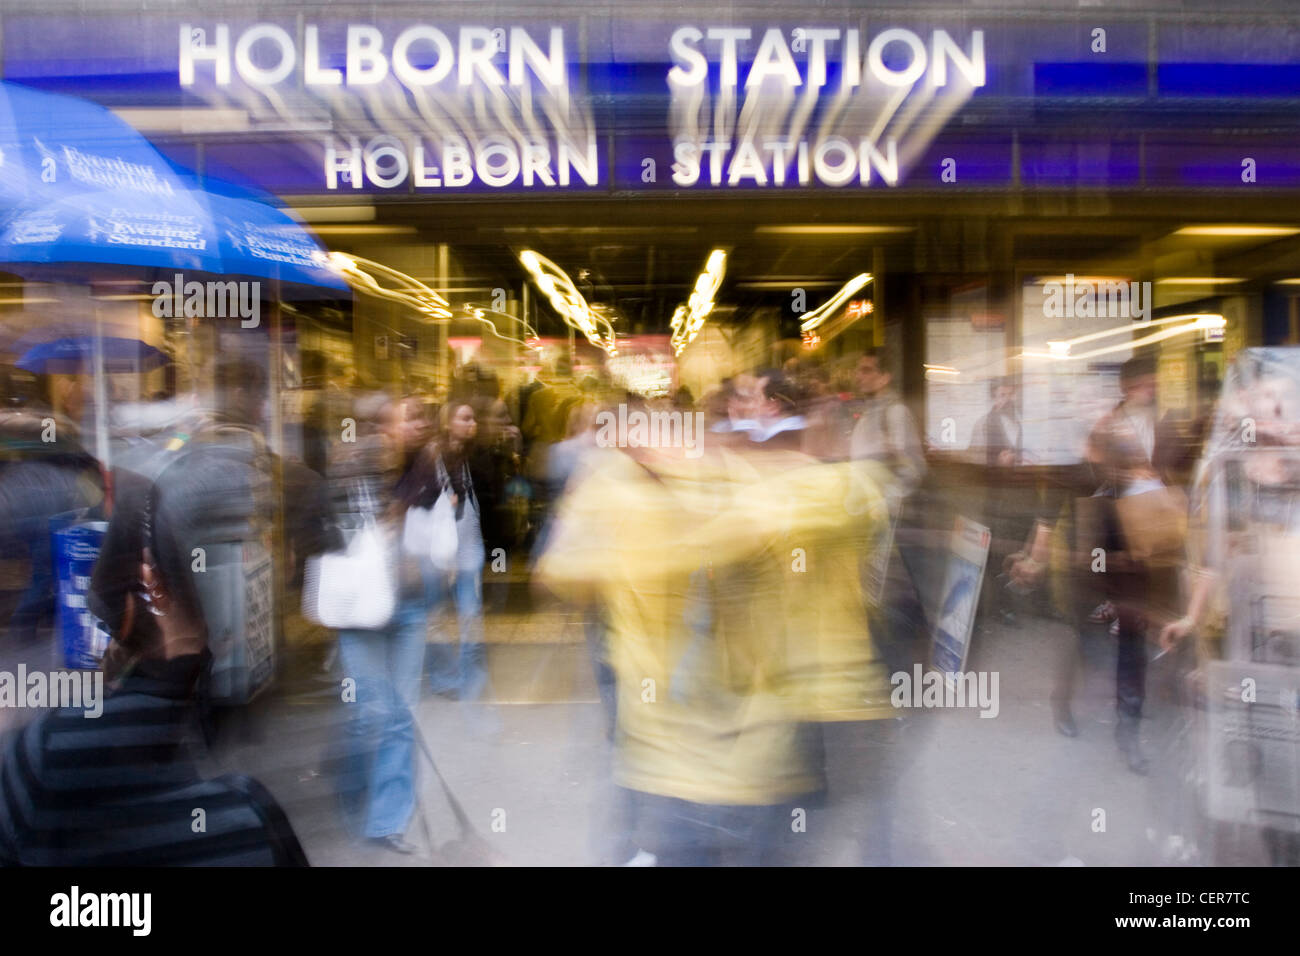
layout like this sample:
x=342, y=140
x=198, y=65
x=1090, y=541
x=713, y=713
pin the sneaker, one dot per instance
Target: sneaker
x=396, y=843
x=642, y=858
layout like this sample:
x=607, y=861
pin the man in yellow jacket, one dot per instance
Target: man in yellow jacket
x=736, y=626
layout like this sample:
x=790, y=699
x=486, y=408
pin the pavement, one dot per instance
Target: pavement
x=536, y=784
x=531, y=768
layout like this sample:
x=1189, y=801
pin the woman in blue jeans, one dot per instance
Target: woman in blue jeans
x=463, y=675
x=379, y=779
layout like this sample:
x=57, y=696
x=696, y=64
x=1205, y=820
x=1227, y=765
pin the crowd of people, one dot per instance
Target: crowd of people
x=747, y=598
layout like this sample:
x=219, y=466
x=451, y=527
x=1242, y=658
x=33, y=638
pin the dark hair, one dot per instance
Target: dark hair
x=442, y=430
x=1135, y=368
x=1004, y=381
x=882, y=356
x=778, y=387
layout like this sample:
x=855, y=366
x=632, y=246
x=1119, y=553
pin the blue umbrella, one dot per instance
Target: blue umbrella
x=77, y=354
x=256, y=238
x=53, y=146
x=79, y=185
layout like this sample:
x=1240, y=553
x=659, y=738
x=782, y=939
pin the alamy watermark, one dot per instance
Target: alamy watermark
x=1096, y=298
x=655, y=429
x=84, y=689
x=926, y=689
x=209, y=300
x=130, y=910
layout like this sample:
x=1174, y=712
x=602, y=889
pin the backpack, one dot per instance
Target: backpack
x=236, y=586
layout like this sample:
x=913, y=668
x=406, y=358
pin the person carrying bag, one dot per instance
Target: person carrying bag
x=457, y=574
x=380, y=607
x=1139, y=525
x=354, y=588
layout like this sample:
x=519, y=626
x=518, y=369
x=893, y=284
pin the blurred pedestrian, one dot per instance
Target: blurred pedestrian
x=376, y=473
x=120, y=790
x=445, y=470
x=1122, y=449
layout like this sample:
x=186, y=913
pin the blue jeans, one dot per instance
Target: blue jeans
x=380, y=760
x=466, y=672
x=681, y=833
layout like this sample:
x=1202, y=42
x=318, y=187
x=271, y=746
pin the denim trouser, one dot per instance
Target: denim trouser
x=468, y=675
x=386, y=665
x=681, y=833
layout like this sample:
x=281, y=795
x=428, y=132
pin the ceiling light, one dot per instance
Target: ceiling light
x=335, y=213
x=568, y=302
x=364, y=230
x=1237, y=231
x=820, y=315
x=186, y=119
x=688, y=319
x=786, y=284
x=1198, y=281
x=829, y=230
x=1198, y=322
x=1077, y=279
x=361, y=274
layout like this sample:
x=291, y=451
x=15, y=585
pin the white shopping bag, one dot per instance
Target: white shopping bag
x=444, y=542
x=352, y=589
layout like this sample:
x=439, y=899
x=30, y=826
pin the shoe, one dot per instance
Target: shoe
x=396, y=843
x=1065, y=725
x=444, y=690
x=1126, y=736
x=1137, y=761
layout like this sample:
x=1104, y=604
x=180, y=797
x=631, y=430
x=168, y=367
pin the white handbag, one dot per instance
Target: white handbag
x=353, y=589
x=444, y=541
x=417, y=532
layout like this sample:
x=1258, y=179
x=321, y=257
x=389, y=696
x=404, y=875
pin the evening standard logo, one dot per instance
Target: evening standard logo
x=935, y=689
x=149, y=230
x=37, y=227
x=1096, y=298
x=208, y=300
x=657, y=429
x=112, y=172
x=285, y=244
x=74, y=908
x=82, y=689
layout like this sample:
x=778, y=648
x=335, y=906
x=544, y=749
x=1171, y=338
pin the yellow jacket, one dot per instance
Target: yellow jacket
x=735, y=614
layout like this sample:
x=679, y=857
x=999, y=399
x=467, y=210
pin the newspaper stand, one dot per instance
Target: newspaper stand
x=1249, y=492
